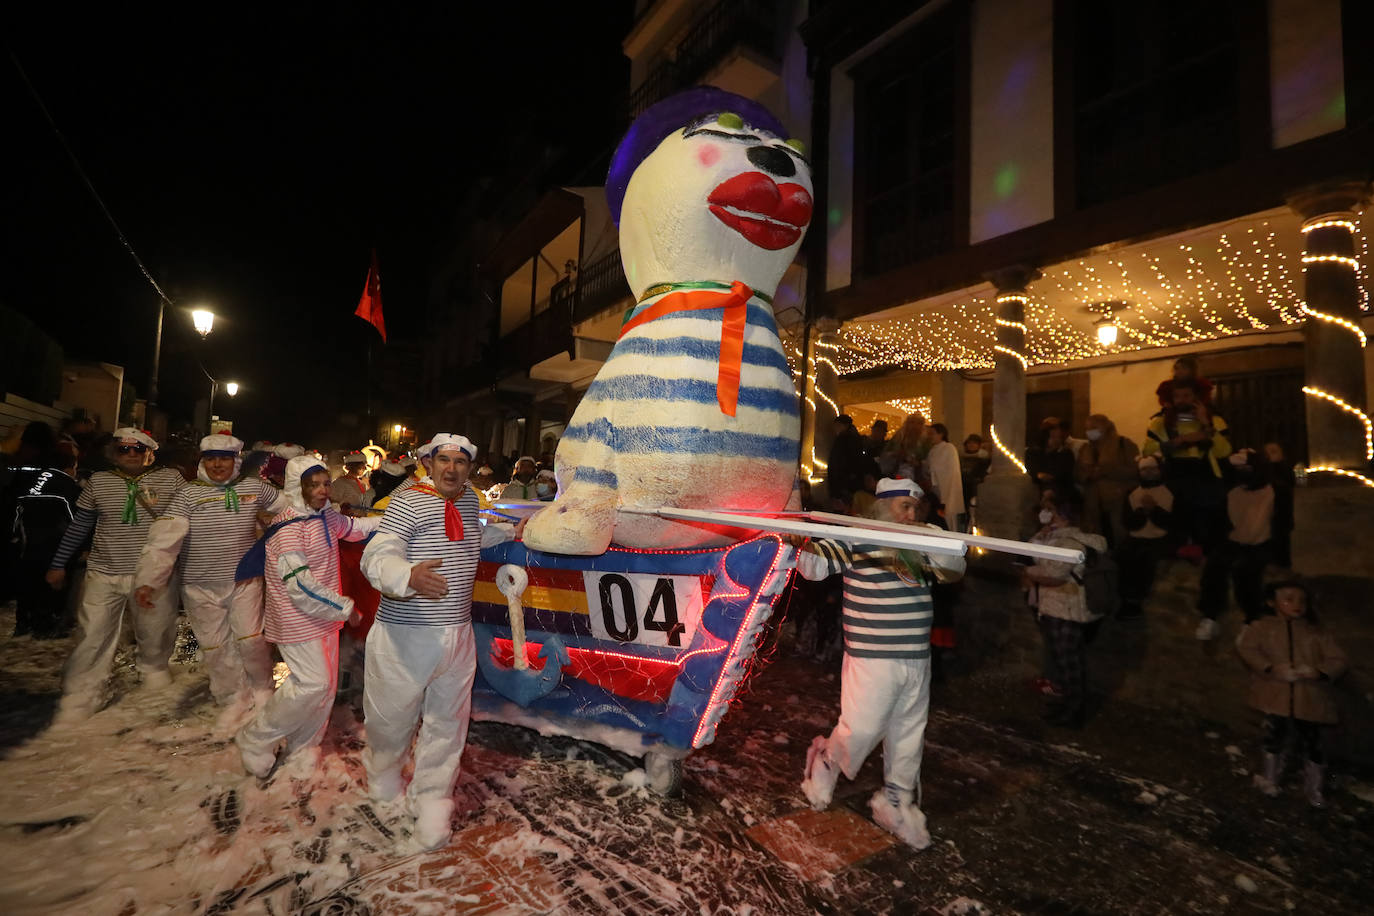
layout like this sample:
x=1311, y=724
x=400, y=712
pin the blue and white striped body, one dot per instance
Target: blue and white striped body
x=716, y=203
x=650, y=432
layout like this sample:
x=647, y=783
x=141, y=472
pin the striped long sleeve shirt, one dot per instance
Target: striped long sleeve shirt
x=413, y=528
x=101, y=508
x=205, y=531
x=888, y=610
x=301, y=590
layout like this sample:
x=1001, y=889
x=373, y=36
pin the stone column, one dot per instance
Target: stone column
x=1005, y=497
x=1333, y=357
x=1009, y=381
x=816, y=428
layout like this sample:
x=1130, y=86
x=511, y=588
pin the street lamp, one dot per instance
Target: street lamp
x=204, y=320
x=232, y=388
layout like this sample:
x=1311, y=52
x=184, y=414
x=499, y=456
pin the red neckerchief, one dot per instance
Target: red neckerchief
x=453, y=519
x=736, y=305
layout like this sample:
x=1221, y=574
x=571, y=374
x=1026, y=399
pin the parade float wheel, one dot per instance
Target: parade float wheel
x=665, y=774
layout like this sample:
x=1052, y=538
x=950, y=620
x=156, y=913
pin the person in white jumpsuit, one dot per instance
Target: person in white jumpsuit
x=885, y=678
x=209, y=526
x=305, y=611
x=421, y=653
x=119, y=506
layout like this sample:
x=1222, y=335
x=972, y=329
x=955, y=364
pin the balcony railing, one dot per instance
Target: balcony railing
x=728, y=24
x=600, y=285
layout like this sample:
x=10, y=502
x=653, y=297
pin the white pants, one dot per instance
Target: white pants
x=887, y=700
x=417, y=674
x=227, y=619
x=99, y=620
x=299, y=710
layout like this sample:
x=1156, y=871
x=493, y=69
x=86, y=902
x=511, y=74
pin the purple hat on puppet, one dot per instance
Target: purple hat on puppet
x=672, y=114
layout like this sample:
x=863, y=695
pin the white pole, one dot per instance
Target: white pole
x=907, y=538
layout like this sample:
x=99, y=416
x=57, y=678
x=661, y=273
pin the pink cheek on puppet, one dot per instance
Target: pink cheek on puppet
x=708, y=155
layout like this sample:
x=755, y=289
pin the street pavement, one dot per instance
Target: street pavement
x=143, y=809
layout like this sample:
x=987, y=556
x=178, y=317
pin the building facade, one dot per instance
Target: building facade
x=1035, y=206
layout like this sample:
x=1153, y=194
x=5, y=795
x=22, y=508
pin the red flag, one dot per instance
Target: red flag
x=370, y=305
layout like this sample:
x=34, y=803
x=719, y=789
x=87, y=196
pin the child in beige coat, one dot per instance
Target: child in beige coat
x=1293, y=664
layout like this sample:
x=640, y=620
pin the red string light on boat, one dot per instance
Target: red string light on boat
x=723, y=680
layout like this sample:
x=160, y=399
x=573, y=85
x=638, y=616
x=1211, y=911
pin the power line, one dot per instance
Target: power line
x=76, y=163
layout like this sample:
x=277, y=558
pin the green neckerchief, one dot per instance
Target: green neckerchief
x=659, y=289
x=130, y=514
x=231, y=496
x=913, y=564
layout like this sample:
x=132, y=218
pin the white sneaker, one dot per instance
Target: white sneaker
x=384, y=788
x=821, y=775
x=433, y=823
x=1207, y=628
x=258, y=763
x=894, y=812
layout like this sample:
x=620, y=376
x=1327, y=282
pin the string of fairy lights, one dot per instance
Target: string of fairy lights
x=1247, y=278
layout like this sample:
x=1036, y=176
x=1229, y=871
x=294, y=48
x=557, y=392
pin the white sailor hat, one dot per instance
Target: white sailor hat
x=220, y=444
x=128, y=435
x=892, y=487
x=392, y=469
x=288, y=450
x=448, y=440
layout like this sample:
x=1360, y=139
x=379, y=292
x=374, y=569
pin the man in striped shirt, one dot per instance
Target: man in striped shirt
x=885, y=680
x=305, y=611
x=421, y=653
x=120, y=506
x=209, y=526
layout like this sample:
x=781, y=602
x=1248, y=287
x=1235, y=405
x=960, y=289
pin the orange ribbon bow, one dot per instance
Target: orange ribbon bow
x=736, y=305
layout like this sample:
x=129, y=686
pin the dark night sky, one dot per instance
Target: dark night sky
x=253, y=161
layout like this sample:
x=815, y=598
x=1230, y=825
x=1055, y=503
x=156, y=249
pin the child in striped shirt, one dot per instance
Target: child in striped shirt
x=885, y=680
x=305, y=612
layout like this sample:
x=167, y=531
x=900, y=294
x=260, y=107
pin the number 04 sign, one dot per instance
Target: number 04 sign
x=646, y=610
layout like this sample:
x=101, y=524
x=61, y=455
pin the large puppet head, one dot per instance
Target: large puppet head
x=706, y=185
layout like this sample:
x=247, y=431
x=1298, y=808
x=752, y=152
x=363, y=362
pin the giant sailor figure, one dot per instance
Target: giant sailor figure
x=695, y=407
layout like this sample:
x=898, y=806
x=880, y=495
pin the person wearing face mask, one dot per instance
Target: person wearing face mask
x=545, y=486
x=1244, y=553
x=421, y=651
x=1066, y=621
x=209, y=525
x=304, y=613
x=885, y=681
x=120, y=506
x=1106, y=469
x=1148, y=516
